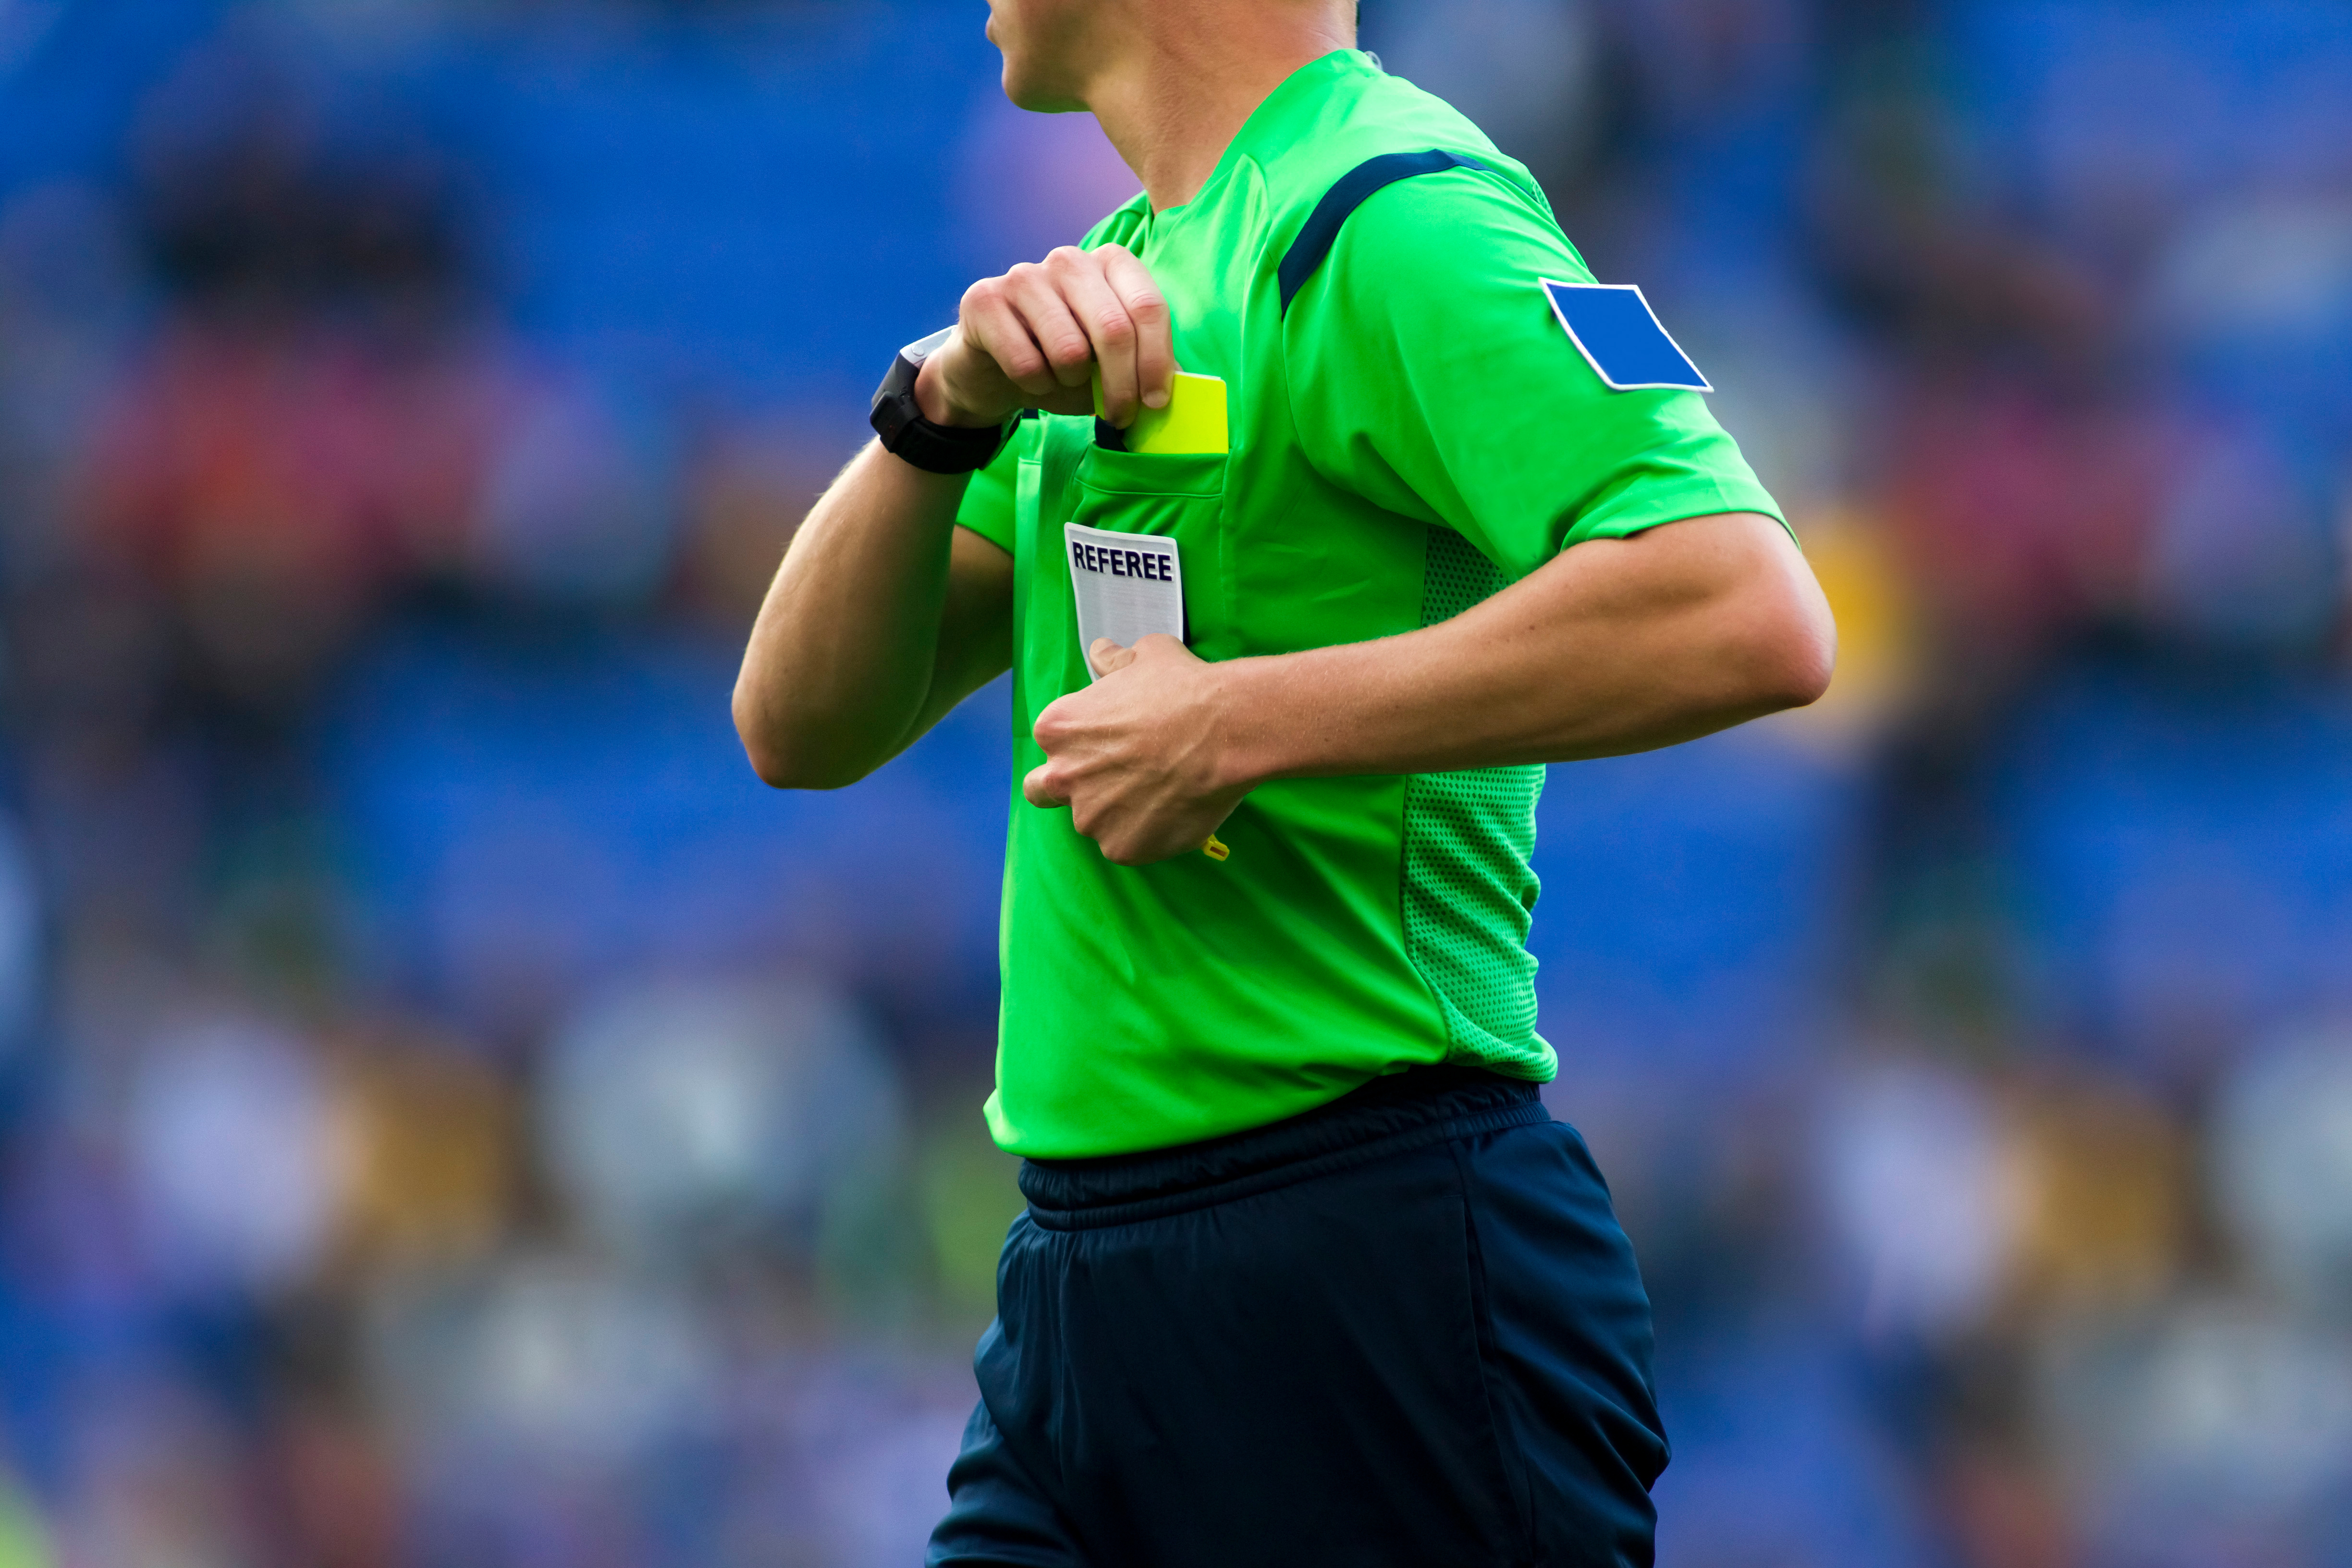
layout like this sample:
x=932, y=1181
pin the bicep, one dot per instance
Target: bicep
x=1713, y=571
x=975, y=642
x=1728, y=592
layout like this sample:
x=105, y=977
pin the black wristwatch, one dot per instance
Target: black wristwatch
x=899, y=419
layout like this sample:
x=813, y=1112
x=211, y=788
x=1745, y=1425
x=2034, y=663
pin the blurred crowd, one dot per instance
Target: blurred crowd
x=451, y=1114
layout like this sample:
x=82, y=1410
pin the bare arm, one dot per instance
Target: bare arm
x=885, y=615
x=1614, y=645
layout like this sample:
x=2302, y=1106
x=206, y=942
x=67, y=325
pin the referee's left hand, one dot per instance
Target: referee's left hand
x=1137, y=756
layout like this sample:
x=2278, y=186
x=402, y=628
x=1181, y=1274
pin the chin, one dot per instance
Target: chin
x=1039, y=98
x=1031, y=34
x=1043, y=103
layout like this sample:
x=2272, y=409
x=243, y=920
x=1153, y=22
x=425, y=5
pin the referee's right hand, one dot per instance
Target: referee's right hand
x=1036, y=337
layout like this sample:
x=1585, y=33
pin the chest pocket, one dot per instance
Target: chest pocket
x=1178, y=496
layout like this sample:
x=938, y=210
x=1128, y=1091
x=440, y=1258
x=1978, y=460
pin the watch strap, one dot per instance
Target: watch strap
x=899, y=420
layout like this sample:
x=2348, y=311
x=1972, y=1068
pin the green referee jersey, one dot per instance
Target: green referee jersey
x=1414, y=431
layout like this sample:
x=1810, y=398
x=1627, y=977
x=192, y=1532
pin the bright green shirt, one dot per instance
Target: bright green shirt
x=1415, y=432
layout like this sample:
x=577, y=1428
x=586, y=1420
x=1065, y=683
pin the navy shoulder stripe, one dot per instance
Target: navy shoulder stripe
x=1347, y=194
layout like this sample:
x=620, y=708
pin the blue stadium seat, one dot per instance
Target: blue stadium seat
x=523, y=820
x=1689, y=904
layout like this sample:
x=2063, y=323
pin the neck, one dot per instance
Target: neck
x=1172, y=105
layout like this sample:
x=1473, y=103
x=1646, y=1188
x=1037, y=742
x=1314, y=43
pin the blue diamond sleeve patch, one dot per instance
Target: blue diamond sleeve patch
x=1614, y=328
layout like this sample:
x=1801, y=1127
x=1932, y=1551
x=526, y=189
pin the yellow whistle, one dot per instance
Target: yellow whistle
x=1215, y=848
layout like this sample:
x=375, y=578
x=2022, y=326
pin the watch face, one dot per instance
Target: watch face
x=922, y=349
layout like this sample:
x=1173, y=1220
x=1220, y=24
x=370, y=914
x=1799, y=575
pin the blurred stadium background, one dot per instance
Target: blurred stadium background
x=450, y=1114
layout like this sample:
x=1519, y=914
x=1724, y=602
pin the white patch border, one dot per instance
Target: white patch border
x=1549, y=284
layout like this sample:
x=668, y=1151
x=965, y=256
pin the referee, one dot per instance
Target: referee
x=1308, y=1275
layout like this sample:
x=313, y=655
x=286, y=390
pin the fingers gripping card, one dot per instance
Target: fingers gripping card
x=1614, y=328
x=1126, y=586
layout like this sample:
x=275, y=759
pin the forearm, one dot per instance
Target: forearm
x=884, y=614
x=842, y=660
x=1617, y=646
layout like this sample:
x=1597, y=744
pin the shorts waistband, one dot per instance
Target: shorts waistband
x=1389, y=1115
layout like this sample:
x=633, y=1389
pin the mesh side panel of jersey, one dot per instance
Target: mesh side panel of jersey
x=1468, y=893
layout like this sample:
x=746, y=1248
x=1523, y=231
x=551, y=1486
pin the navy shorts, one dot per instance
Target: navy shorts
x=1404, y=1328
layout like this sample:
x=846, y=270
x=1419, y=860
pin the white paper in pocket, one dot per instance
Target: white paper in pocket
x=1127, y=585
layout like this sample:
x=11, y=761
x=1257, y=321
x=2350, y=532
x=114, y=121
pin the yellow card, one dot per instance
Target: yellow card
x=1193, y=421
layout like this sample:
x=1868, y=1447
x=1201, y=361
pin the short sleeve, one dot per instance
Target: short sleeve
x=988, y=499
x=1428, y=374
